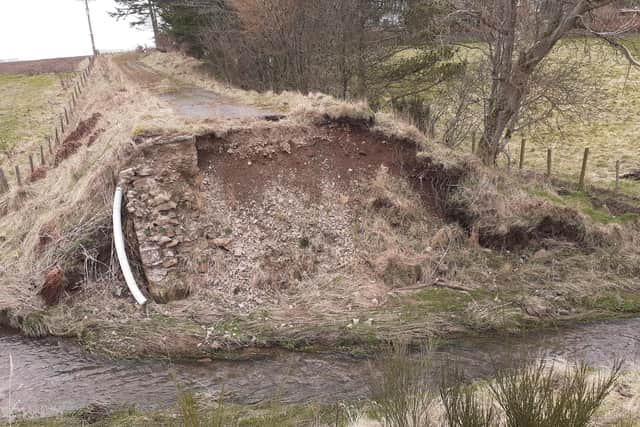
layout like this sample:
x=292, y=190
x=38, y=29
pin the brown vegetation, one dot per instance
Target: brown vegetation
x=38, y=173
x=53, y=286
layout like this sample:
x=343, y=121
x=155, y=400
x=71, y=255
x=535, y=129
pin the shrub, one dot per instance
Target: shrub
x=463, y=405
x=536, y=395
x=400, y=394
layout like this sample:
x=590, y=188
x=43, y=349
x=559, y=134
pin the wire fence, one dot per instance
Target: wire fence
x=47, y=152
x=550, y=161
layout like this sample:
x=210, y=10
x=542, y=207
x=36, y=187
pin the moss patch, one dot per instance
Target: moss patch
x=444, y=299
x=582, y=202
x=624, y=303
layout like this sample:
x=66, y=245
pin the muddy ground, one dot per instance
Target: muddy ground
x=56, y=65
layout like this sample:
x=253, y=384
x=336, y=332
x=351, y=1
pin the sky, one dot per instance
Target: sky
x=39, y=29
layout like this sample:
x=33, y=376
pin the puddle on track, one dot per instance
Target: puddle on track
x=202, y=104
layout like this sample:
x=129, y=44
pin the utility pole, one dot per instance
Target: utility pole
x=93, y=42
x=154, y=21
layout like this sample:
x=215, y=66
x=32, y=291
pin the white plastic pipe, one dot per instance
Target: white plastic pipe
x=118, y=238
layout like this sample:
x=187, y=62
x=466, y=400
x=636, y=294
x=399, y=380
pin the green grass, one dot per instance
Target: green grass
x=620, y=302
x=611, y=133
x=581, y=201
x=194, y=412
x=444, y=300
x=28, y=108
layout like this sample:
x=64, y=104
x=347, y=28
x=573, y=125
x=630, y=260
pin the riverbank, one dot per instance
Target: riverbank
x=76, y=379
x=322, y=391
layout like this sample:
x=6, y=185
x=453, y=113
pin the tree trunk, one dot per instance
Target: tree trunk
x=361, y=59
x=510, y=75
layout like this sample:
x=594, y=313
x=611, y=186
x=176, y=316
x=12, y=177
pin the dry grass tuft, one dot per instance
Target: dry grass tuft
x=396, y=128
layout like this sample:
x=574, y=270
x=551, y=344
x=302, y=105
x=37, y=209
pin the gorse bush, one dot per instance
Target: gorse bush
x=188, y=408
x=463, y=405
x=537, y=395
x=400, y=394
x=530, y=394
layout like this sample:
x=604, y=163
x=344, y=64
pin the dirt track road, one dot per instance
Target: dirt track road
x=186, y=100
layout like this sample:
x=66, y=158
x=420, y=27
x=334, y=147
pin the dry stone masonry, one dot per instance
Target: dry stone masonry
x=160, y=183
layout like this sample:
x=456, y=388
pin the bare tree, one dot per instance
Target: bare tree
x=519, y=36
x=361, y=49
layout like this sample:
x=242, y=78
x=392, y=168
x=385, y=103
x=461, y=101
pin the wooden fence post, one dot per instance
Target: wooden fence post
x=549, y=160
x=523, y=145
x=617, y=174
x=41, y=156
x=18, y=176
x=4, y=184
x=583, y=171
x=62, y=124
x=31, y=163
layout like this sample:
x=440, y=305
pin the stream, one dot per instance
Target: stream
x=52, y=375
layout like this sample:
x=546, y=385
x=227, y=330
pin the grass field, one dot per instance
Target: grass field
x=610, y=129
x=29, y=108
x=611, y=134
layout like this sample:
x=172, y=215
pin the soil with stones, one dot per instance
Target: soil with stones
x=73, y=141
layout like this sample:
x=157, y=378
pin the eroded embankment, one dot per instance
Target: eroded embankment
x=314, y=230
x=259, y=210
x=262, y=209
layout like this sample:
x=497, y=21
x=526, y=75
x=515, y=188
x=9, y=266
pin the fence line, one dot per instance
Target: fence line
x=582, y=178
x=65, y=120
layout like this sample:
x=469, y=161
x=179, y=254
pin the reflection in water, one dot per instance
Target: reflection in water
x=51, y=376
